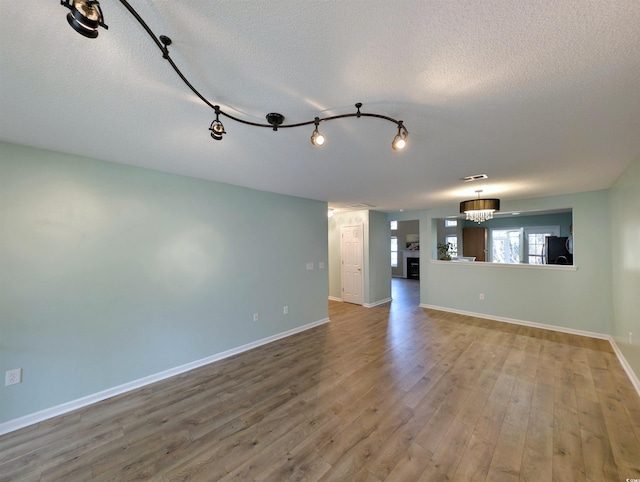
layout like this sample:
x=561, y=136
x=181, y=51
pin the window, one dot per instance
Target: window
x=520, y=245
x=450, y=223
x=452, y=239
x=394, y=251
x=536, y=242
x=507, y=245
x=536, y=247
x=394, y=225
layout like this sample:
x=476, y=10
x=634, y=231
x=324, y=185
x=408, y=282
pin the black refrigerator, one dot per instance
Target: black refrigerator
x=556, y=250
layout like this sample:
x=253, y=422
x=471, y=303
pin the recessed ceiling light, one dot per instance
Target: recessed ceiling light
x=476, y=177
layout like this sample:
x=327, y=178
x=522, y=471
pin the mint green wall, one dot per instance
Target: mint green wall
x=110, y=273
x=379, y=258
x=579, y=299
x=625, y=249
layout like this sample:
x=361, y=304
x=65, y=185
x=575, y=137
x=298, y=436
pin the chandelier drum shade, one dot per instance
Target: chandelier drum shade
x=480, y=210
x=85, y=17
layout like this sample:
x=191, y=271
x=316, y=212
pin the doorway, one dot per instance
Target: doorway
x=405, y=264
x=474, y=243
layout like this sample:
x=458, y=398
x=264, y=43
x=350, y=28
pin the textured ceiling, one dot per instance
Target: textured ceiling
x=543, y=96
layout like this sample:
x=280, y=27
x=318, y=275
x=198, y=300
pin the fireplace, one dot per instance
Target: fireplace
x=413, y=268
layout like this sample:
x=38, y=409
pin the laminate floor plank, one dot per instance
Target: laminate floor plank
x=507, y=456
x=475, y=460
x=390, y=393
x=448, y=455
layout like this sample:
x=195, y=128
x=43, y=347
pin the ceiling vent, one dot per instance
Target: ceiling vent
x=477, y=177
x=361, y=206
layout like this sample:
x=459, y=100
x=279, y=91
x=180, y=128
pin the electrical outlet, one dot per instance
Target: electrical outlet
x=256, y=317
x=321, y=265
x=309, y=265
x=285, y=310
x=12, y=377
x=481, y=296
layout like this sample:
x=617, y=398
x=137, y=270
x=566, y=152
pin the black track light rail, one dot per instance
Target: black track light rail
x=86, y=16
x=163, y=42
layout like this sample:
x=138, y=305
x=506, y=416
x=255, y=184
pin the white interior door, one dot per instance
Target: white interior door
x=352, y=260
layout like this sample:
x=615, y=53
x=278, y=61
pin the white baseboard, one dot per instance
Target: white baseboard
x=67, y=407
x=625, y=365
x=381, y=302
x=532, y=324
x=365, y=305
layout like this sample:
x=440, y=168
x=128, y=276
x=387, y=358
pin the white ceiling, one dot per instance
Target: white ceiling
x=541, y=95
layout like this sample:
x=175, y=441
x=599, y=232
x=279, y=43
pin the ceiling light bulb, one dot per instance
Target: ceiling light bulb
x=317, y=139
x=399, y=143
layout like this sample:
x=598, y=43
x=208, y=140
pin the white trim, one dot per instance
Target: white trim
x=558, y=267
x=381, y=302
x=623, y=361
x=335, y=298
x=532, y=324
x=67, y=407
x=625, y=365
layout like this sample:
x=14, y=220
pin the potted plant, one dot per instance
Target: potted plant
x=443, y=251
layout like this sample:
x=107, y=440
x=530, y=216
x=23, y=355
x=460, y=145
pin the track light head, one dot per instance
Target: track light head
x=400, y=140
x=317, y=139
x=217, y=129
x=85, y=16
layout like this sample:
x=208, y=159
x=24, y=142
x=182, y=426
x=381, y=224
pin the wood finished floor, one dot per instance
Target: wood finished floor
x=395, y=393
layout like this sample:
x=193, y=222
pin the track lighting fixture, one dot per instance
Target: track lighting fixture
x=217, y=129
x=86, y=16
x=317, y=139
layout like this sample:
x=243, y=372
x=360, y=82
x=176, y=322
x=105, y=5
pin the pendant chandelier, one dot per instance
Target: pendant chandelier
x=480, y=210
x=85, y=17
